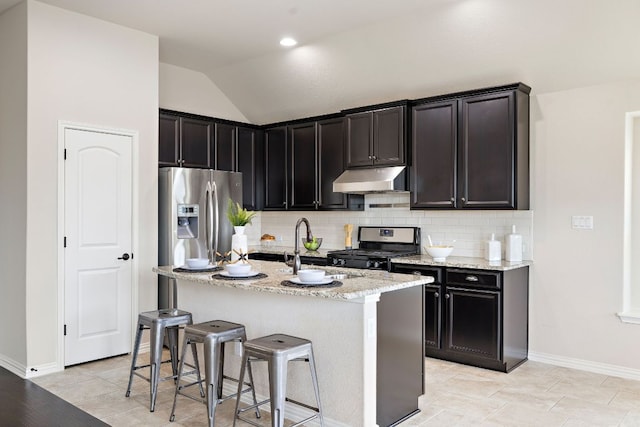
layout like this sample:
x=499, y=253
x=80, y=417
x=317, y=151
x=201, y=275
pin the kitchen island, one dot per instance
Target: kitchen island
x=367, y=335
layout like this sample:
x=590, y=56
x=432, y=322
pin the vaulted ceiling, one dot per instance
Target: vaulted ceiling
x=359, y=52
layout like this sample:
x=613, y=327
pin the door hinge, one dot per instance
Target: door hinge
x=65, y=154
x=65, y=241
x=65, y=330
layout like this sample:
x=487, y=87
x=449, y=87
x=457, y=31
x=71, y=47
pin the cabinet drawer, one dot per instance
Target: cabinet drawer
x=473, y=278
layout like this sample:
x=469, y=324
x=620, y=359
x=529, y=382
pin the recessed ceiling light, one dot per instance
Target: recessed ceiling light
x=288, y=42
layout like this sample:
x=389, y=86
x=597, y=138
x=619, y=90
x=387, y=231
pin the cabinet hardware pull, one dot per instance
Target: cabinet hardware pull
x=463, y=200
x=370, y=157
x=471, y=278
x=437, y=295
x=446, y=296
x=453, y=200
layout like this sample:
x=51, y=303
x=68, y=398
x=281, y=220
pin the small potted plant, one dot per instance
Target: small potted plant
x=238, y=216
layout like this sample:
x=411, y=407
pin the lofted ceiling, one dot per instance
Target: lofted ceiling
x=359, y=52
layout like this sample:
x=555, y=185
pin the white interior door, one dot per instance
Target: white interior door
x=98, y=263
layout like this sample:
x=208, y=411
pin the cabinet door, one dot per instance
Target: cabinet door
x=473, y=322
x=359, y=139
x=486, y=149
x=225, y=147
x=169, y=140
x=434, y=161
x=195, y=141
x=250, y=159
x=303, y=178
x=275, y=140
x=432, y=316
x=331, y=158
x=388, y=136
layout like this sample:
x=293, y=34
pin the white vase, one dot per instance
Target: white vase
x=239, y=243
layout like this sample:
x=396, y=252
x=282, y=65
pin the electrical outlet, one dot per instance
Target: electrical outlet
x=582, y=222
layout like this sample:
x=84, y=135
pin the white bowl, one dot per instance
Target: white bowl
x=197, y=262
x=238, y=269
x=310, y=276
x=439, y=252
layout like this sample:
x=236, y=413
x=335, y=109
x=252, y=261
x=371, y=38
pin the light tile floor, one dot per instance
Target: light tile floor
x=534, y=394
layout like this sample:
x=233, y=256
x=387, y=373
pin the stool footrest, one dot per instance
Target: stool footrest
x=304, y=405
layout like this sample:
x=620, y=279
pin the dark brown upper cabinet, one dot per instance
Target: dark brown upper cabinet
x=304, y=166
x=184, y=142
x=195, y=143
x=376, y=138
x=331, y=161
x=317, y=154
x=240, y=149
x=472, y=151
x=250, y=161
x=169, y=140
x=275, y=149
x=225, y=147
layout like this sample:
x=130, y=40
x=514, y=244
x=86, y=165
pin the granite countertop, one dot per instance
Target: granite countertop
x=357, y=283
x=462, y=262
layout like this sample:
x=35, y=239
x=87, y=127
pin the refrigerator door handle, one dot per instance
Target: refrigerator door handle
x=208, y=222
x=216, y=219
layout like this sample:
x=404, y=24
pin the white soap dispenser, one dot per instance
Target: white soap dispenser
x=513, y=246
x=492, y=249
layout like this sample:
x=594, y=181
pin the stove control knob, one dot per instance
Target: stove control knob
x=334, y=261
x=368, y=264
x=342, y=261
x=376, y=264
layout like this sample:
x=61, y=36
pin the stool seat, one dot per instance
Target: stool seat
x=278, y=350
x=159, y=323
x=214, y=335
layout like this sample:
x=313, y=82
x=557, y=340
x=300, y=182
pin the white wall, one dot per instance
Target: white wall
x=88, y=71
x=578, y=156
x=182, y=89
x=13, y=185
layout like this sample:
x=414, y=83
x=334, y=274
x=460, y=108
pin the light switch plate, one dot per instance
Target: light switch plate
x=582, y=222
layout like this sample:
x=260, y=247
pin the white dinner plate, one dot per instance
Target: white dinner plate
x=324, y=281
x=186, y=267
x=249, y=274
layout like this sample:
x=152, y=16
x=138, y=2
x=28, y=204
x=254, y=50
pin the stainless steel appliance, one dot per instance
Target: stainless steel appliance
x=192, y=220
x=377, y=245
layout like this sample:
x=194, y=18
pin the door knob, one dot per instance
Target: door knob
x=124, y=257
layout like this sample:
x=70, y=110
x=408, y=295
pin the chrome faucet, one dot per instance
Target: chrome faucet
x=295, y=263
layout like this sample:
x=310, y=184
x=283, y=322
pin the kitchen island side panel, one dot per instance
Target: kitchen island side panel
x=344, y=347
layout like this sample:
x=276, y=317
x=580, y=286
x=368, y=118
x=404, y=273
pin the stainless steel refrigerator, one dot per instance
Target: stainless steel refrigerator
x=192, y=220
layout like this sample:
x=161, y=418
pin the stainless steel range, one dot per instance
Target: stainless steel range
x=377, y=245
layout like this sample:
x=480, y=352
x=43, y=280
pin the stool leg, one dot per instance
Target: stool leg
x=212, y=375
x=194, y=352
x=277, y=389
x=245, y=361
x=173, y=348
x=157, y=334
x=134, y=357
x=185, y=344
x=253, y=390
x=316, y=389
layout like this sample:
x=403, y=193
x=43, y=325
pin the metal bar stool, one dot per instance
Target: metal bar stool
x=159, y=322
x=277, y=350
x=214, y=335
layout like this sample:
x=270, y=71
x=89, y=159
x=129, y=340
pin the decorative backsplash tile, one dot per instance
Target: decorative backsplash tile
x=469, y=229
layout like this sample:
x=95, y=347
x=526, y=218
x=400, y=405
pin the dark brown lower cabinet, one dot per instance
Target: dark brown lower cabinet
x=476, y=317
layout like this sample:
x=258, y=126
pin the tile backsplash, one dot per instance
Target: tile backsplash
x=470, y=229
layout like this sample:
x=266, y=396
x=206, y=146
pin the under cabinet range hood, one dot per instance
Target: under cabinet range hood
x=371, y=180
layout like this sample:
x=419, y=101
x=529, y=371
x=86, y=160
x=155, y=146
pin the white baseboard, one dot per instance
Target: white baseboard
x=12, y=366
x=586, y=365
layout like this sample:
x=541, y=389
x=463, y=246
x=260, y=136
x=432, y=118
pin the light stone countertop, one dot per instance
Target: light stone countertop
x=357, y=284
x=269, y=248
x=462, y=262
